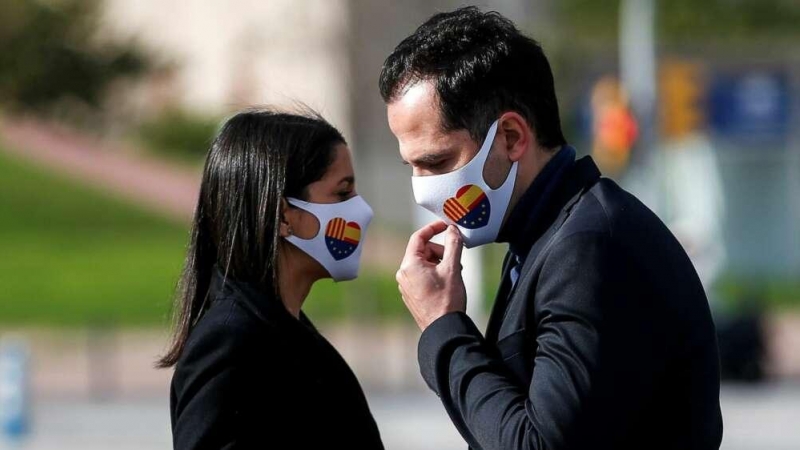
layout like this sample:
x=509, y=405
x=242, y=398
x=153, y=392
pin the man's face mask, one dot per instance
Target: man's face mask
x=338, y=243
x=463, y=198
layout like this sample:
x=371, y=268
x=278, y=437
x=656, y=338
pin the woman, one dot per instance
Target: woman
x=278, y=211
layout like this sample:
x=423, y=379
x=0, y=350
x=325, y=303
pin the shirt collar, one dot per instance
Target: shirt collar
x=520, y=229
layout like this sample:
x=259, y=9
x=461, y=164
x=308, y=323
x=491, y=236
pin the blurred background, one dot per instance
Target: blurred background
x=107, y=108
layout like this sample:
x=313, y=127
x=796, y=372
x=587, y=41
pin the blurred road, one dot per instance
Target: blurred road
x=763, y=418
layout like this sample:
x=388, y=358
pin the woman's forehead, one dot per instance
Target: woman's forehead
x=341, y=166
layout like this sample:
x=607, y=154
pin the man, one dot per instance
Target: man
x=600, y=336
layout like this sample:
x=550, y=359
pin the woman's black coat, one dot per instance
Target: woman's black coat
x=253, y=376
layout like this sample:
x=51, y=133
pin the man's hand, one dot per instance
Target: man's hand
x=430, y=274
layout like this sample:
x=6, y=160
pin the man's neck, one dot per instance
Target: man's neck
x=528, y=172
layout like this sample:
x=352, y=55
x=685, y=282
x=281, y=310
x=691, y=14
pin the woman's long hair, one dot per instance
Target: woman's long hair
x=258, y=158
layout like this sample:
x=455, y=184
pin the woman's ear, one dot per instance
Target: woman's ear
x=287, y=217
x=518, y=135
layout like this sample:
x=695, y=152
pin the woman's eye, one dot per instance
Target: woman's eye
x=345, y=195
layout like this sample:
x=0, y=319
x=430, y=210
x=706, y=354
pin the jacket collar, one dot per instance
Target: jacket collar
x=534, y=209
x=256, y=299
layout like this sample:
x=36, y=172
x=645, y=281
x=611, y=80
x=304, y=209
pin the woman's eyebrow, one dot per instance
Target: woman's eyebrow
x=348, y=179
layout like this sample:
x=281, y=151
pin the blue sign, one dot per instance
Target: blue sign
x=751, y=106
x=14, y=408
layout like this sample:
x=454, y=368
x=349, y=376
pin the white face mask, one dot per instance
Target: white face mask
x=463, y=198
x=342, y=227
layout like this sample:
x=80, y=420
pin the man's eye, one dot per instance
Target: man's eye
x=437, y=165
x=345, y=194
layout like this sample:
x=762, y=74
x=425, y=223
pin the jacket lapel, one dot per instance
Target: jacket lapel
x=500, y=300
x=584, y=177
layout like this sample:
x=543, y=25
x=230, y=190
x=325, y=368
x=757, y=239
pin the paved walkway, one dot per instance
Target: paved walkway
x=762, y=417
x=120, y=363
x=111, y=364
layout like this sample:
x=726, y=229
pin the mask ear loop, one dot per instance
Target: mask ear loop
x=483, y=152
x=490, y=137
x=286, y=201
x=297, y=203
x=282, y=219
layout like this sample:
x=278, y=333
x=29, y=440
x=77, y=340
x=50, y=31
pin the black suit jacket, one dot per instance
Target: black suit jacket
x=252, y=376
x=605, y=341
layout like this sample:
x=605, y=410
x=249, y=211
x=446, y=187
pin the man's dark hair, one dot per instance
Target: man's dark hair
x=482, y=66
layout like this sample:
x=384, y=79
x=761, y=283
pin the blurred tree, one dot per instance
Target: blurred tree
x=684, y=21
x=594, y=23
x=50, y=52
x=179, y=134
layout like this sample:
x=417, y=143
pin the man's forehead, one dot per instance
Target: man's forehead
x=415, y=110
x=416, y=123
x=421, y=91
x=423, y=141
x=414, y=120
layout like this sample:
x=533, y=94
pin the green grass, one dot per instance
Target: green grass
x=75, y=256
x=372, y=296
x=739, y=293
x=72, y=255
x=178, y=135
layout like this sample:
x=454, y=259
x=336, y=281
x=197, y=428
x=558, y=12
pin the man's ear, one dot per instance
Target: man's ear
x=518, y=134
x=287, y=217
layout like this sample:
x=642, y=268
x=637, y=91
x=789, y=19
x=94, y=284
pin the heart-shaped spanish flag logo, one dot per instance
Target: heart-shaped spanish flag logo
x=470, y=207
x=342, y=238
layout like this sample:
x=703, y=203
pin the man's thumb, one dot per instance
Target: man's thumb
x=453, y=244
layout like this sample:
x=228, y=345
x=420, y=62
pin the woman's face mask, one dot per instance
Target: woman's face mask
x=338, y=243
x=463, y=198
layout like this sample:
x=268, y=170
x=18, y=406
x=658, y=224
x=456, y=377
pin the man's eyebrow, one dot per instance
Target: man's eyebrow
x=429, y=158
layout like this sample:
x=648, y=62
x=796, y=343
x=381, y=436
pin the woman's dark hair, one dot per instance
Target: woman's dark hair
x=258, y=158
x=481, y=66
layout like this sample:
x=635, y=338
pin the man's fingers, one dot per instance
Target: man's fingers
x=430, y=230
x=434, y=252
x=453, y=244
x=416, y=244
